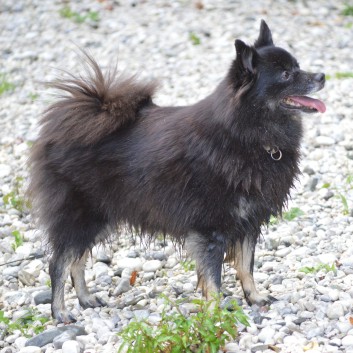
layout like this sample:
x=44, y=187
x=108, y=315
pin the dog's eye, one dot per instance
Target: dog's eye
x=286, y=75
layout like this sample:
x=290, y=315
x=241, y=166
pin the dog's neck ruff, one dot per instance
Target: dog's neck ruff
x=274, y=152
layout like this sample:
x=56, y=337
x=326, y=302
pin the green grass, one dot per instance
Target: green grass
x=18, y=239
x=289, y=215
x=339, y=75
x=203, y=332
x=341, y=194
x=195, y=40
x=188, y=265
x=31, y=322
x=348, y=10
x=33, y=96
x=317, y=268
x=5, y=86
x=66, y=12
x=15, y=197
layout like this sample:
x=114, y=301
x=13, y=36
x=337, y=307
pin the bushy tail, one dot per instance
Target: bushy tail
x=96, y=105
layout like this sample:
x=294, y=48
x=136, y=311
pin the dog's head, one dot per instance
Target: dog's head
x=272, y=77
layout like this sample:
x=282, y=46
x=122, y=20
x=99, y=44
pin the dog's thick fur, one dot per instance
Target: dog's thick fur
x=210, y=174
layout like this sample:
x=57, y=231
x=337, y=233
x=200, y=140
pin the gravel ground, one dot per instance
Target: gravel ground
x=157, y=39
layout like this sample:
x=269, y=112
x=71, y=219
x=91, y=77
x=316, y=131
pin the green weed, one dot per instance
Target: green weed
x=287, y=216
x=5, y=86
x=195, y=40
x=348, y=10
x=15, y=197
x=18, y=239
x=33, y=96
x=188, y=265
x=203, y=332
x=317, y=268
x=339, y=75
x=66, y=12
x=32, y=322
x=347, y=188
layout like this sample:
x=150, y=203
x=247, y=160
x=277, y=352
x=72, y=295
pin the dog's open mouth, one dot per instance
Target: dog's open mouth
x=304, y=103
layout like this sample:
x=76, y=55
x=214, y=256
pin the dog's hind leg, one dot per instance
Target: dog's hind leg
x=85, y=298
x=208, y=252
x=243, y=260
x=59, y=269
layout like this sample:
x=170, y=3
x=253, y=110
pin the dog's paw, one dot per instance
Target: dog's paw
x=259, y=299
x=64, y=316
x=91, y=301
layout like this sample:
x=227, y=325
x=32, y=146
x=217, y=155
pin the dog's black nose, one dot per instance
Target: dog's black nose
x=320, y=77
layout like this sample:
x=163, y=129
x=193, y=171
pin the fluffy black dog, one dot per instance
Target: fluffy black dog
x=210, y=174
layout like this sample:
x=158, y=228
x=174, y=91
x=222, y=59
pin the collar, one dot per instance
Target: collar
x=274, y=152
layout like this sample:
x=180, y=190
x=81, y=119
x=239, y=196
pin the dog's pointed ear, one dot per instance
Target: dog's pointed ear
x=265, y=36
x=245, y=56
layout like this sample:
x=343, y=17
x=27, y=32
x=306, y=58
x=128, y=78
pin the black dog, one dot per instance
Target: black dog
x=210, y=174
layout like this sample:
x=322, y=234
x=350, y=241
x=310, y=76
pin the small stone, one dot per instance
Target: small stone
x=58, y=341
x=328, y=258
x=34, y=267
x=48, y=336
x=152, y=266
x=30, y=349
x=134, y=264
x=259, y=348
x=266, y=334
x=324, y=141
x=313, y=183
x=188, y=288
x=308, y=170
x=335, y=311
x=42, y=297
x=315, y=332
x=103, y=257
x=347, y=340
x=171, y=262
x=71, y=347
x=26, y=278
x=147, y=276
x=260, y=277
x=141, y=314
x=5, y=170
x=100, y=269
x=333, y=294
x=283, y=252
x=231, y=347
x=123, y=286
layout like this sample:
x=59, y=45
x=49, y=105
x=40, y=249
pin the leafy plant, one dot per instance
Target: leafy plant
x=194, y=38
x=341, y=75
x=348, y=10
x=66, y=12
x=15, y=197
x=29, y=323
x=348, y=187
x=318, y=267
x=5, y=85
x=33, y=96
x=203, y=332
x=188, y=265
x=288, y=215
x=18, y=239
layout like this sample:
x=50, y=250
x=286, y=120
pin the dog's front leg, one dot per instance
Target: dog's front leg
x=243, y=261
x=208, y=252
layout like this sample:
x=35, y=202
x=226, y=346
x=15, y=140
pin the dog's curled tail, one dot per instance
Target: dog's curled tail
x=96, y=105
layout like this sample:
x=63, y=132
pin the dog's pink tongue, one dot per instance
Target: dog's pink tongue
x=310, y=102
